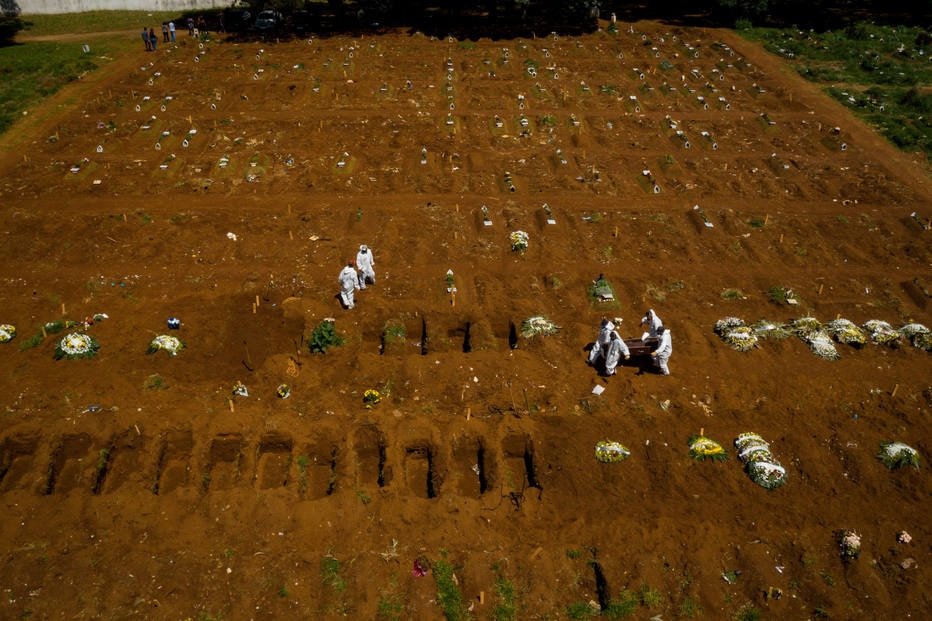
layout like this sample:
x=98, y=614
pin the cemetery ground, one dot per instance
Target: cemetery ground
x=225, y=184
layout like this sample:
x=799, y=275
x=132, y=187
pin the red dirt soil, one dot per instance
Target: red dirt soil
x=177, y=499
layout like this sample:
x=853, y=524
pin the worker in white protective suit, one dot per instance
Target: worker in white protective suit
x=662, y=354
x=600, y=348
x=616, y=349
x=365, y=262
x=653, y=324
x=349, y=282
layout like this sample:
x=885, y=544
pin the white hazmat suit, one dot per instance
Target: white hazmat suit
x=653, y=323
x=349, y=282
x=616, y=349
x=365, y=262
x=600, y=348
x=662, y=353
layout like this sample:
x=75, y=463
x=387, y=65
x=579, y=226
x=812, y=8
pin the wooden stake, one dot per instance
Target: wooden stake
x=781, y=238
x=257, y=301
x=766, y=219
x=290, y=235
x=481, y=598
x=616, y=231
x=893, y=392
x=63, y=312
x=253, y=308
x=453, y=298
x=702, y=431
x=468, y=413
x=44, y=333
x=820, y=288
x=231, y=405
x=124, y=217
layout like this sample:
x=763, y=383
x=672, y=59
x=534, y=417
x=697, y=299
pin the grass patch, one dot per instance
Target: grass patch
x=154, y=382
x=732, y=294
x=650, y=598
x=449, y=596
x=506, y=608
x=882, y=68
x=330, y=573
x=690, y=608
x=748, y=612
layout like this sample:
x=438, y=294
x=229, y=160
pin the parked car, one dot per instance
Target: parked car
x=268, y=21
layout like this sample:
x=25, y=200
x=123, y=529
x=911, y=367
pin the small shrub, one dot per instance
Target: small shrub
x=154, y=382
x=330, y=573
x=324, y=337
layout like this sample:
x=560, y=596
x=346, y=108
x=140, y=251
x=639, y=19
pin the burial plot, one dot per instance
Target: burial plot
x=372, y=467
x=274, y=456
x=17, y=459
x=224, y=462
x=471, y=466
x=70, y=465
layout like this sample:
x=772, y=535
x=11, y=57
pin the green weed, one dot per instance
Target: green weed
x=449, y=595
x=363, y=497
x=154, y=382
x=324, y=337
x=330, y=573
x=690, y=608
x=507, y=608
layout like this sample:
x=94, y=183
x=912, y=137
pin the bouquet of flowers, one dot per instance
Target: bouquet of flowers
x=702, y=448
x=805, y=326
x=7, y=332
x=519, y=240
x=751, y=447
x=769, y=474
x=727, y=324
x=608, y=451
x=882, y=332
x=538, y=325
x=766, y=329
x=847, y=332
x=761, y=465
x=741, y=338
x=821, y=345
x=919, y=335
x=371, y=397
x=76, y=345
x=897, y=454
x=283, y=391
x=850, y=544
x=171, y=344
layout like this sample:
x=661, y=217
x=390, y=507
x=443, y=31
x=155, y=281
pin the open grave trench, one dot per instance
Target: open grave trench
x=312, y=468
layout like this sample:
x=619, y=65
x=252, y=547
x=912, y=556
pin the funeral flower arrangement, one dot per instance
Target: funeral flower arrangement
x=371, y=397
x=702, y=448
x=733, y=331
x=761, y=465
x=897, y=454
x=811, y=331
x=767, y=329
x=538, y=325
x=846, y=332
x=283, y=391
x=519, y=241
x=76, y=345
x=7, y=332
x=608, y=451
x=882, y=332
x=850, y=544
x=171, y=344
x=917, y=334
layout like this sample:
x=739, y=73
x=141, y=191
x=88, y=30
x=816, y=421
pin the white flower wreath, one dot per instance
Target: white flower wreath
x=171, y=344
x=7, y=332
